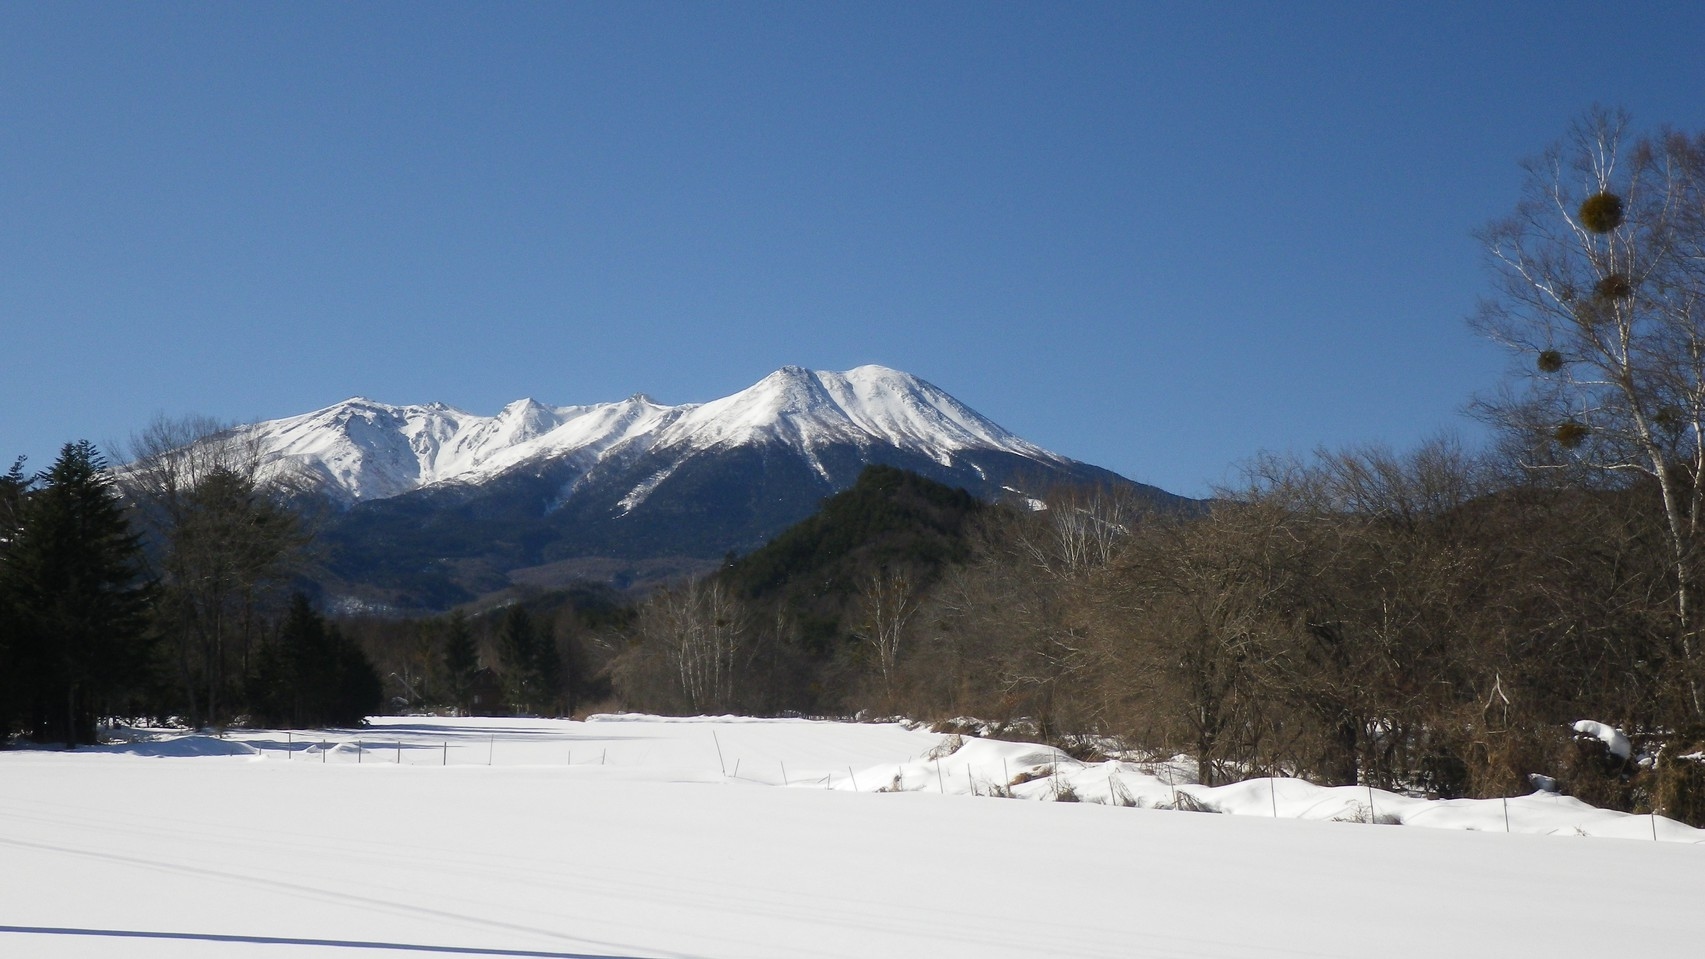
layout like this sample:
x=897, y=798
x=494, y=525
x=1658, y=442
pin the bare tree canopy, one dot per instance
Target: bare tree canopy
x=1600, y=296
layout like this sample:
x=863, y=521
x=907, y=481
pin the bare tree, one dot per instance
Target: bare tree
x=888, y=599
x=1601, y=295
x=704, y=635
x=226, y=545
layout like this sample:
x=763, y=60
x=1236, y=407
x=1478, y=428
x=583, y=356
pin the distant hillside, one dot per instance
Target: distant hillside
x=889, y=518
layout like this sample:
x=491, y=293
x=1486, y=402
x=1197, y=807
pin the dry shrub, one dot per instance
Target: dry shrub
x=1500, y=763
x=1029, y=775
x=1188, y=803
x=1587, y=770
x=1680, y=791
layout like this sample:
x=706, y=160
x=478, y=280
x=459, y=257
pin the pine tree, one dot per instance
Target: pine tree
x=75, y=577
x=13, y=486
x=312, y=675
x=553, y=680
x=518, y=640
x=461, y=659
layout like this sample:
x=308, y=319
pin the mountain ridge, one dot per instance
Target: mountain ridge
x=437, y=506
x=362, y=450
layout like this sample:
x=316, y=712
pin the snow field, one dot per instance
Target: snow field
x=633, y=836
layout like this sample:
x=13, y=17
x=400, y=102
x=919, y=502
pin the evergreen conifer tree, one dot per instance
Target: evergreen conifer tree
x=518, y=640
x=311, y=675
x=74, y=575
x=461, y=659
x=13, y=486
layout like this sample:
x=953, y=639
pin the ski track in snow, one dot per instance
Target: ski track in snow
x=648, y=837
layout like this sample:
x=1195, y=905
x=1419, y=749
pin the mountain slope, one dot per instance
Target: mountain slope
x=361, y=450
x=438, y=505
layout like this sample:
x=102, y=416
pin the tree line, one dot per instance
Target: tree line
x=165, y=590
x=1432, y=619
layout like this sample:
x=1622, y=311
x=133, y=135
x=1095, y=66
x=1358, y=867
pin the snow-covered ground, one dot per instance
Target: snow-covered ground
x=641, y=837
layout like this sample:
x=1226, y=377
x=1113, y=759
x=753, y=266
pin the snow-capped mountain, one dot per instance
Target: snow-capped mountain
x=438, y=505
x=361, y=450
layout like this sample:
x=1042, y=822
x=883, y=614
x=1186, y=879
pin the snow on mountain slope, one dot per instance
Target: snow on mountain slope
x=363, y=450
x=870, y=404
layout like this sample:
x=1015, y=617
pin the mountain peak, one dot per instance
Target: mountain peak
x=366, y=450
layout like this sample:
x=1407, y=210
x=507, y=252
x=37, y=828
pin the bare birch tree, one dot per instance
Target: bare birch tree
x=704, y=632
x=1600, y=278
x=887, y=600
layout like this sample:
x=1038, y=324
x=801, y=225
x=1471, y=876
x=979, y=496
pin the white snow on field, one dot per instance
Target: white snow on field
x=732, y=838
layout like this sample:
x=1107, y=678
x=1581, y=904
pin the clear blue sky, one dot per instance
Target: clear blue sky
x=1156, y=237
